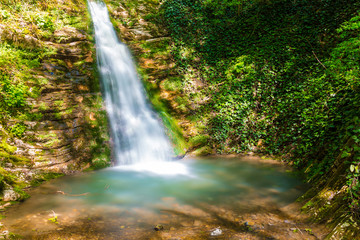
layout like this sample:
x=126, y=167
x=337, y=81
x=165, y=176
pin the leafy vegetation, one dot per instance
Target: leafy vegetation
x=279, y=77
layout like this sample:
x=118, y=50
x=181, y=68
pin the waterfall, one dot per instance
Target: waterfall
x=136, y=132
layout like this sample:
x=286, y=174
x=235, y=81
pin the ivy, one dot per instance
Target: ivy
x=282, y=77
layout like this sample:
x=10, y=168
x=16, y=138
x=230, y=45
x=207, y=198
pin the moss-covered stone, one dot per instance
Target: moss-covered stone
x=50, y=88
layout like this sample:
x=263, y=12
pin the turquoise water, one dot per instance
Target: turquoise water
x=213, y=181
x=190, y=196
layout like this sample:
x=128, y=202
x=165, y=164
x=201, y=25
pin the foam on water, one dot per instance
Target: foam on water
x=158, y=168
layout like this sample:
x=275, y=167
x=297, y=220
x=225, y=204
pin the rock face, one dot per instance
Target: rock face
x=59, y=140
x=63, y=125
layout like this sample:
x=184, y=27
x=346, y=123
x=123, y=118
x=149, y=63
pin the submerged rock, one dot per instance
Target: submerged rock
x=158, y=227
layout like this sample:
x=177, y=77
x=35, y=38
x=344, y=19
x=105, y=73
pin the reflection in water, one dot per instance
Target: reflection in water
x=140, y=197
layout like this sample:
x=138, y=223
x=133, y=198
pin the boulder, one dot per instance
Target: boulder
x=10, y=195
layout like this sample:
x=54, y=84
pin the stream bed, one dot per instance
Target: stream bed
x=207, y=198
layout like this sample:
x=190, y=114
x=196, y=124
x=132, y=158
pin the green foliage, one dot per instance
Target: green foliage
x=282, y=72
x=44, y=21
x=199, y=140
x=351, y=152
x=15, y=75
x=23, y=194
x=18, y=129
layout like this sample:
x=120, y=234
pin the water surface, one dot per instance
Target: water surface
x=185, y=195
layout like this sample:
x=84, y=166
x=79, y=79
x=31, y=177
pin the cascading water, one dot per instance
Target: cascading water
x=137, y=134
x=207, y=193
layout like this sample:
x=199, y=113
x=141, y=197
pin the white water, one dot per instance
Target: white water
x=137, y=134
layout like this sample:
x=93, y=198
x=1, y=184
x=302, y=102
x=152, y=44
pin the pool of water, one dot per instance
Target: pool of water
x=194, y=192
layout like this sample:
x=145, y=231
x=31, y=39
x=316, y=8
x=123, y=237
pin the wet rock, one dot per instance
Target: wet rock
x=158, y=227
x=10, y=195
x=179, y=157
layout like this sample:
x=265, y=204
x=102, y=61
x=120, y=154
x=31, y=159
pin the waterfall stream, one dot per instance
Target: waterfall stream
x=136, y=132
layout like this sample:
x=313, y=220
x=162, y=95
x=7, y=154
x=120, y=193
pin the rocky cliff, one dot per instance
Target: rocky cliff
x=53, y=121
x=140, y=27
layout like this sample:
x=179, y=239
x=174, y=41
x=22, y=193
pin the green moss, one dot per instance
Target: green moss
x=6, y=147
x=58, y=115
x=99, y=162
x=47, y=136
x=14, y=159
x=45, y=176
x=199, y=140
x=97, y=130
x=43, y=107
x=7, y=177
x=172, y=84
x=175, y=133
x=203, y=151
x=52, y=143
x=23, y=194
x=59, y=103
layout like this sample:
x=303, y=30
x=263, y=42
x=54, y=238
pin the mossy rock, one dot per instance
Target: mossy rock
x=199, y=140
x=45, y=176
x=203, y=151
